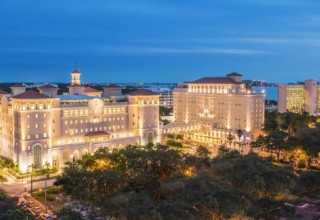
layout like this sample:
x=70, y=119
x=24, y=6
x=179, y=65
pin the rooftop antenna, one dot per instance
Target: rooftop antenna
x=76, y=65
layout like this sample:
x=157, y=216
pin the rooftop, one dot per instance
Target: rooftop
x=75, y=71
x=30, y=94
x=142, y=92
x=75, y=97
x=214, y=80
x=234, y=74
x=48, y=86
x=112, y=86
x=3, y=92
x=89, y=89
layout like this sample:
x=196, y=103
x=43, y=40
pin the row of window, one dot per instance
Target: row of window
x=86, y=112
x=86, y=130
x=93, y=120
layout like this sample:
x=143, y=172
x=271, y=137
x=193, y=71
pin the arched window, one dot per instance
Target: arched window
x=37, y=157
x=150, y=138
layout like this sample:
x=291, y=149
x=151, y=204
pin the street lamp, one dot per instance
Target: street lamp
x=45, y=192
x=47, y=168
x=31, y=167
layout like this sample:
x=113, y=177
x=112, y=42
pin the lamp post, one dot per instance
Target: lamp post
x=31, y=186
x=47, y=168
x=45, y=193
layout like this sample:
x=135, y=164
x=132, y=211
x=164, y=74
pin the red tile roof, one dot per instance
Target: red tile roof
x=142, y=92
x=89, y=90
x=30, y=94
x=112, y=86
x=18, y=85
x=214, y=80
x=3, y=92
x=97, y=133
x=48, y=86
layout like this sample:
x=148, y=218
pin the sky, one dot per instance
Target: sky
x=159, y=40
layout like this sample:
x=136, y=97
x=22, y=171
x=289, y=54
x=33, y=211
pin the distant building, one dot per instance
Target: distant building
x=166, y=96
x=39, y=127
x=217, y=106
x=299, y=97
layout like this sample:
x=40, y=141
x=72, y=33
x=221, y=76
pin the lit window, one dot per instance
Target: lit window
x=36, y=115
x=44, y=135
x=36, y=125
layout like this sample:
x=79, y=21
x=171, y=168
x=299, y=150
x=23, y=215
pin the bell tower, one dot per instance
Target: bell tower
x=76, y=88
x=75, y=78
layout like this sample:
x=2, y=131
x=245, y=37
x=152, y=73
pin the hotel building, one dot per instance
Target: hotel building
x=211, y=108
x=36, y=127
x=299, y=98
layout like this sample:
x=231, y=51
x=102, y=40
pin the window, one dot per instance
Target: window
x=44, y=135
x=36, y=115
x=36, y=125
x=37, y=157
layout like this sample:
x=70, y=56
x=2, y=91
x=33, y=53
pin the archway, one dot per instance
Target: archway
x=150, y=138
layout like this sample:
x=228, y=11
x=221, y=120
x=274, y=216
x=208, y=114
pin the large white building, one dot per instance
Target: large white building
x=36, y=127
x=299, y=97
x=211, y=108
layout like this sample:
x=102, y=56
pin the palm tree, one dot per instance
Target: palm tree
x=230, y=138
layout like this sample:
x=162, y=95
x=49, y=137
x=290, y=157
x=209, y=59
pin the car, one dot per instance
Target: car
x=46, y=217
x=36, y=209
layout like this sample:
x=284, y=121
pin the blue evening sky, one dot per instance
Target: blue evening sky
x=159, y=40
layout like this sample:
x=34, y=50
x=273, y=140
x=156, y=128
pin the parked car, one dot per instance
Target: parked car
x=37, y=209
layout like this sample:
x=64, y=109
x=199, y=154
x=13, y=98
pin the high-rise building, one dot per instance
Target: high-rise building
x=39, y=127
x=218, y=106
x=299, y=97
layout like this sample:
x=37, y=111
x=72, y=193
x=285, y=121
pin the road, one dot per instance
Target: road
x=16, y=189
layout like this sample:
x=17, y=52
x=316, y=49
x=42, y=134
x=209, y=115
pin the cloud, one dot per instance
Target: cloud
x=282, y=41
x=104, y=49
x=173, y=50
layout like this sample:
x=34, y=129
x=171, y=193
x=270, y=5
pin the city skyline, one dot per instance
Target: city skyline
x=152, y=41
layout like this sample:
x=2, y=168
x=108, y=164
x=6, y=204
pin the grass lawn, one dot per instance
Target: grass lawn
x=52, y=193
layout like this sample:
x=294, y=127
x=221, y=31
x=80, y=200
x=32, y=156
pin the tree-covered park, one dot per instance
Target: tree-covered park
x=158, y=182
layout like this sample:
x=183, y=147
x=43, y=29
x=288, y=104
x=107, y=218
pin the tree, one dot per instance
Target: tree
x=10, y=210
x=239, y=133
x=274, y=142
x=230, y=138
x=69, y=214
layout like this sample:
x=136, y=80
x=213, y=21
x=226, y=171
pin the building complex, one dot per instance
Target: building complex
x=211, y=109
x=42, y=126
